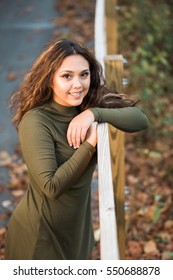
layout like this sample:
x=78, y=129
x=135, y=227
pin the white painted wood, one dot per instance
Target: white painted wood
x=100, y=37
x=108, y=228
x=114, y=57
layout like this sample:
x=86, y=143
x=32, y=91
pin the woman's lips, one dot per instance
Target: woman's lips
x=77, y=93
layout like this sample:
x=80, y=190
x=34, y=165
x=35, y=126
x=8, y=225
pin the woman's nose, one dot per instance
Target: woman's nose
x=76, y=82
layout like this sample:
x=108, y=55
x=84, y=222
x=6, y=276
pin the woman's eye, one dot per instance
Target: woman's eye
x=66, y=76
x=85, y=74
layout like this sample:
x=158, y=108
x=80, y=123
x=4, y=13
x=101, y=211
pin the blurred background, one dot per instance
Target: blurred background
x=145, y=40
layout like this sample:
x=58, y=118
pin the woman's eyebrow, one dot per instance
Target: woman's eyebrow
x=70, y=71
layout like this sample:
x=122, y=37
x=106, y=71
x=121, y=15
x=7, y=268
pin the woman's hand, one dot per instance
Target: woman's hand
x=78, y=127
x=92, y=134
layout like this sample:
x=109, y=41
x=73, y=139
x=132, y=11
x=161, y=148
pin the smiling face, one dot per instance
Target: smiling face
x=71, y=81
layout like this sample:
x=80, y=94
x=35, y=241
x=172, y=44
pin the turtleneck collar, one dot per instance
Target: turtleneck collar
x=63, y=109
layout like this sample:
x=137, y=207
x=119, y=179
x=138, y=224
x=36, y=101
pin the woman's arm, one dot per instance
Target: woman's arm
x=128, y=119
x=39, y=154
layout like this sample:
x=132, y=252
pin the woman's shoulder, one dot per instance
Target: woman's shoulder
x=35, y=115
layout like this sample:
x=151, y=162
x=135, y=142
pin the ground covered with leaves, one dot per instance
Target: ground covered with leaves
x=150, y=215
x=149, y=192
x=143, y=35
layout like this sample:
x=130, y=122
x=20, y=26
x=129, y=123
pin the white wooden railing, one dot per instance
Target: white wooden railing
x=110, y=140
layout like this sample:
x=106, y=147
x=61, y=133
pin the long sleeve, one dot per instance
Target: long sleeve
x=38, y=150
x=128, y=119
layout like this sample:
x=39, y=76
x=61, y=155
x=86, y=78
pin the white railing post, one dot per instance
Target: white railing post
x=109, y=248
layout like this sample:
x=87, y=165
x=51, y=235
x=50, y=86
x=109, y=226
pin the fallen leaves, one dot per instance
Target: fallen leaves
x=16, y=187
x=2, y=242
x=135, y=249
x=150, y=247
x=168, y=225
x=11, y=76
x=78, y=19
x=5, y=158
x=150, y=218
x=18, y=177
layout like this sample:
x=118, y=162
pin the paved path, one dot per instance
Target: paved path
x=25, y=28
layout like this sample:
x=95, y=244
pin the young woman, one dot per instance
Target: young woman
x=58, y=106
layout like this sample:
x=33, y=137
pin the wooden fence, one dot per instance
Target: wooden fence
x=111, y=166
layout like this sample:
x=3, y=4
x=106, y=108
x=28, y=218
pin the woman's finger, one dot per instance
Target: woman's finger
x=78, y=138
x=73, y=136
x=83, y=134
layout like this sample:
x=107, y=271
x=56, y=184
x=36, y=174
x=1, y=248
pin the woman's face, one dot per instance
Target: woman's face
x=71, y=81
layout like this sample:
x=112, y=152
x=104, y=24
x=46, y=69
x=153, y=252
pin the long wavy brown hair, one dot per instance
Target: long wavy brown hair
x=36, y=87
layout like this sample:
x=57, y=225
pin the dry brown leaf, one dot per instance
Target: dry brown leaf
x=142, y=196
x=168, y=224
x=29, y=9
x=2, y=231
x=5, y=158
x=135, y=249
x=150, y=247
x=132, y=179
x=15, y=182
x=18, y=193
x=11, y=76
x=166, y=256
x=165, y=237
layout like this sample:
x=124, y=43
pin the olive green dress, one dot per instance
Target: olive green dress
x=53, y=219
